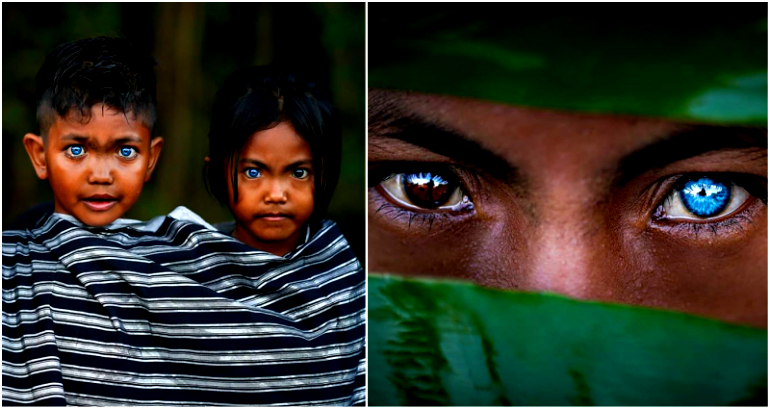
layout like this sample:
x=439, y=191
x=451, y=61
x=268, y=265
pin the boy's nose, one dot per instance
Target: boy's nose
x=101, y=173
x=565, y=249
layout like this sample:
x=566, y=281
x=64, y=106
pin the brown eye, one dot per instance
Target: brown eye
x=428, y=190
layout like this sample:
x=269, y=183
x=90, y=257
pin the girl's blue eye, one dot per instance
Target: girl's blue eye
x=301, y=173
x=76, y=150
x=705, y=197
x=252, y=173
x=127, y=152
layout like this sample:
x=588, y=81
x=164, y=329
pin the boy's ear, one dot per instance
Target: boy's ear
x=155, y=147
x=35, y=147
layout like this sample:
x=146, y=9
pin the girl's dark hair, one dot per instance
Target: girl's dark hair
x=259, y=98
x=82, y=73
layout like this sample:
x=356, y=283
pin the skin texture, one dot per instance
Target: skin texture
x=569, y=203
x=273, y=207
x=98, y=171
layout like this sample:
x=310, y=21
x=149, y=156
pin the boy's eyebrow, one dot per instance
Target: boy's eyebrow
x=74, y=137
x=689, y=142
x=439, y=139
x=83, y=139
x=126, y=139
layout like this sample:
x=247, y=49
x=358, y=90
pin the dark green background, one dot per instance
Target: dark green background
x=198, y=45
x=437, y=343
x=688, y=62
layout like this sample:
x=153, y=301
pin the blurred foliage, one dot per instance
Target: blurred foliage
x=435, y=343
x=198, y=45
x=702, y=63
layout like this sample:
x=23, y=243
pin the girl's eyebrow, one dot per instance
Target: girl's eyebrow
x=689, y=142
x=262, y=165
x=300, y=162
x=444, y=141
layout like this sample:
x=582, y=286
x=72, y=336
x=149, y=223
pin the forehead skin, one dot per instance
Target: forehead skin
x=573, y=213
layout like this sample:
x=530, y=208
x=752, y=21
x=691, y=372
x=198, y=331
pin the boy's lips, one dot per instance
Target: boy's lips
x=100, y=203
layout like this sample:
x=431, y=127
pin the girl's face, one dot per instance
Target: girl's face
x=275, y=190
x=630, y=210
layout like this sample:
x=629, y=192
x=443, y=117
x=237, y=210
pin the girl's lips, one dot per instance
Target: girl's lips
x=100, y=205
x=274, y=217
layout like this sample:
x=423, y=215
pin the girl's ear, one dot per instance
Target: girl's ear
x=35, y=146
x=156, y=145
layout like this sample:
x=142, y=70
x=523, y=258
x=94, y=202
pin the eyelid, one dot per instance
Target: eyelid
x=746, y=188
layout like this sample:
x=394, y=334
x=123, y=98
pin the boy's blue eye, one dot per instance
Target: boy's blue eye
x=127, y=152
x=705, y=197
x=300, y=173
x=76, y=150
x=252, y=173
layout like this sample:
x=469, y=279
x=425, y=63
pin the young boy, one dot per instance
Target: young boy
x=96, y=110
x=100, y=310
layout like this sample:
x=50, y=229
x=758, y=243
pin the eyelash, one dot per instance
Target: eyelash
x=387, y=205
x=736, y=219
x=68, y=152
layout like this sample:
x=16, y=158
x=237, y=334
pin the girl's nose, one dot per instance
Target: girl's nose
x=277, y=191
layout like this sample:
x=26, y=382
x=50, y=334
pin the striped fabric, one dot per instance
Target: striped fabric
x=179, y=314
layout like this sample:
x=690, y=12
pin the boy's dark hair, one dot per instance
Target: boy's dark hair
x=259, y=98
x=82, y=73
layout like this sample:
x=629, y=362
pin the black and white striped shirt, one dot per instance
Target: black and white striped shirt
x=169, y=312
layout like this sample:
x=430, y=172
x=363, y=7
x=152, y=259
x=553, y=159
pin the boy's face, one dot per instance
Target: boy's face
x=591, y=206
x=96, y=169
x=275, y=189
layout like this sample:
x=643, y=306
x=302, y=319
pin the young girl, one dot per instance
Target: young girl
x=274, y=162
x=274, y=158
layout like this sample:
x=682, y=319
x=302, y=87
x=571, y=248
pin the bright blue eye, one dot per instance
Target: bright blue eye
x=76, y=150
x=705, y=197
x=127, y=152
x=252, y=173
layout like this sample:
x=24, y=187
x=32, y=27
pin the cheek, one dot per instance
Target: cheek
x=132, y=177
x=304, y=199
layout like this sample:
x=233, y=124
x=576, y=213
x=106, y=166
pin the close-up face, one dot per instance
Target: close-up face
x=621, y=209
x=275, y=189
x=97, y=168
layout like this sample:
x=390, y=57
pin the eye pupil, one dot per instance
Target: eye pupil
x=427, y=190
x=705, y=197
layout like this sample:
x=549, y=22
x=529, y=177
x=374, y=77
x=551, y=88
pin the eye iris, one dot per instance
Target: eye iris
x=252, y=173
x=76, y=150
x=126, y=151
x=427, y=190
x=705, y=197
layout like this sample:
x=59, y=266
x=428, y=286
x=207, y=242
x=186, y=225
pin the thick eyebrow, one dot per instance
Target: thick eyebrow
x=690, y=142
x=444, y=141
x=85, y=139
x=262, y=165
